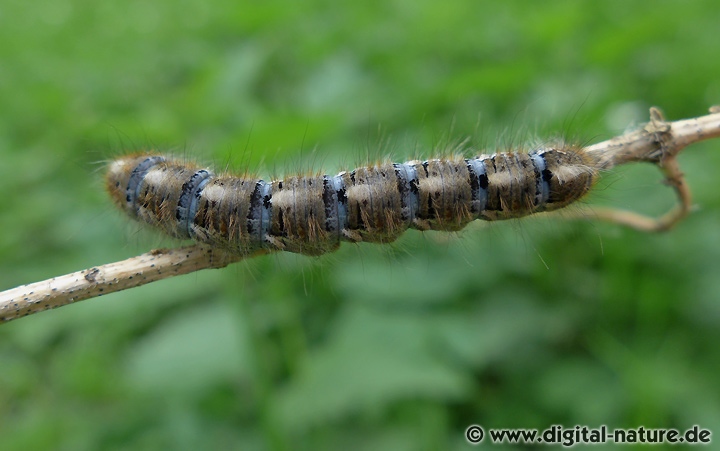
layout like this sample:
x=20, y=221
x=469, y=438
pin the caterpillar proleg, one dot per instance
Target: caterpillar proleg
x=313, y=214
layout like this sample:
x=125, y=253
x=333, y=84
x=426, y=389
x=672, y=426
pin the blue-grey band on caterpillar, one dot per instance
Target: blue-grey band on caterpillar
x=313, y=214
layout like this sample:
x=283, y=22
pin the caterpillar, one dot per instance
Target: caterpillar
x=313, y=214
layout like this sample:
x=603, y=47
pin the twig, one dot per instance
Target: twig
x=100, y=280
x=659, y=142
x=656, y=141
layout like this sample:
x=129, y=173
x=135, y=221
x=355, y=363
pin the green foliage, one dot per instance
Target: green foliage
x=525, y=323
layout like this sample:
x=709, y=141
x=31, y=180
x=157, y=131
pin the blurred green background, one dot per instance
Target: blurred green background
x=525, y=323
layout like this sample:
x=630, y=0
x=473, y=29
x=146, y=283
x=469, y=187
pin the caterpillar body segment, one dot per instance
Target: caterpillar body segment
x=313, y=214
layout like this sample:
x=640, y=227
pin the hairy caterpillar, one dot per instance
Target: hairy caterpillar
x=313, y=214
